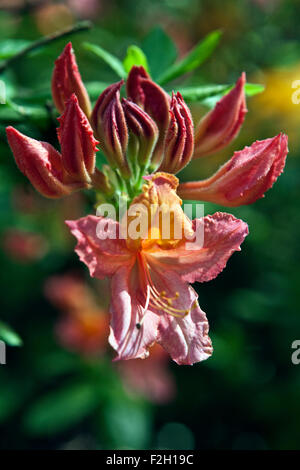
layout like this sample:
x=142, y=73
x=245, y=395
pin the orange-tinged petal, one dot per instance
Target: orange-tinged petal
x=103, y=257
x=207, y=257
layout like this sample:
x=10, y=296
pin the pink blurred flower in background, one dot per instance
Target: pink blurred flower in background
x=83, y=327
x=24, y=246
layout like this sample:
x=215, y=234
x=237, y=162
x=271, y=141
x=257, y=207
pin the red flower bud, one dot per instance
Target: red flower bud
x=154, y=100
x=244, y=178
x=143, y=127
x=222, y=124
x=42, y=165
x=78, y=145
x=133, y=85
x=109, y=124
x=66, y=80
x=179, y=142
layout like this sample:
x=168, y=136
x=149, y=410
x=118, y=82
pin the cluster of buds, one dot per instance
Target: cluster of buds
x=146, y=132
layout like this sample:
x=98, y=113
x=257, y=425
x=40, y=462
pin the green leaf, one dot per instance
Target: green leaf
x=61, y=409
x=254, y=88
x=201, y=92
x=135, y=56
x=251, y=89
x=191, y=61
x=9, y=336
x=111, y=60
x=94, y=89
x=10, y=47
x=160, y=51
x=216, y=92
x=26, y=110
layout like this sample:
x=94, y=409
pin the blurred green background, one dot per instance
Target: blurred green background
x=58, y=392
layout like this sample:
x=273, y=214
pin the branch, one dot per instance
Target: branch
x=82, y=26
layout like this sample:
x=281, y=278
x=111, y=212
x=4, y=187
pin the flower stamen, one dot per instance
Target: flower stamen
x=160, y=300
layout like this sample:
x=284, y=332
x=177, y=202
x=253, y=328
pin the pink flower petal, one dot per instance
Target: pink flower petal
x=126, y=338
x=102, y=257
x=223, y=234
x=185, y=338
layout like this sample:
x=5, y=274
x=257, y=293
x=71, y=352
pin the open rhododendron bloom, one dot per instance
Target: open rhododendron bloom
x=148, y=136
x=152, y=300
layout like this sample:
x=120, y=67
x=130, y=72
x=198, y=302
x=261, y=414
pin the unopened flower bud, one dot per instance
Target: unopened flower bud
x=66, y=80
x=155, y=101
x=244, y=178
x=222, y=124
x=143, y=128
x=109, y=124
x=78, y=145
x=42, y=165
x=179, y=141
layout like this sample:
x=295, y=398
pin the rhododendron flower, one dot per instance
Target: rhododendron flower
x=152, y=300
x=147, y=137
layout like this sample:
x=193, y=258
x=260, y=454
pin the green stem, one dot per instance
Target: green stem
x=81, y=26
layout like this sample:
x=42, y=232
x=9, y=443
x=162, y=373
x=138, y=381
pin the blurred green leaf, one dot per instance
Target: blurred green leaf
x=9, y=336
x=191, y=61
x=201, y=93
x=111, y=60
x=135, y=56
x=26, y=110
x=10, y=47
x=251, y=89
x=160, y=51
x=94, y=89
x=61, y=409
x=128, y=424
